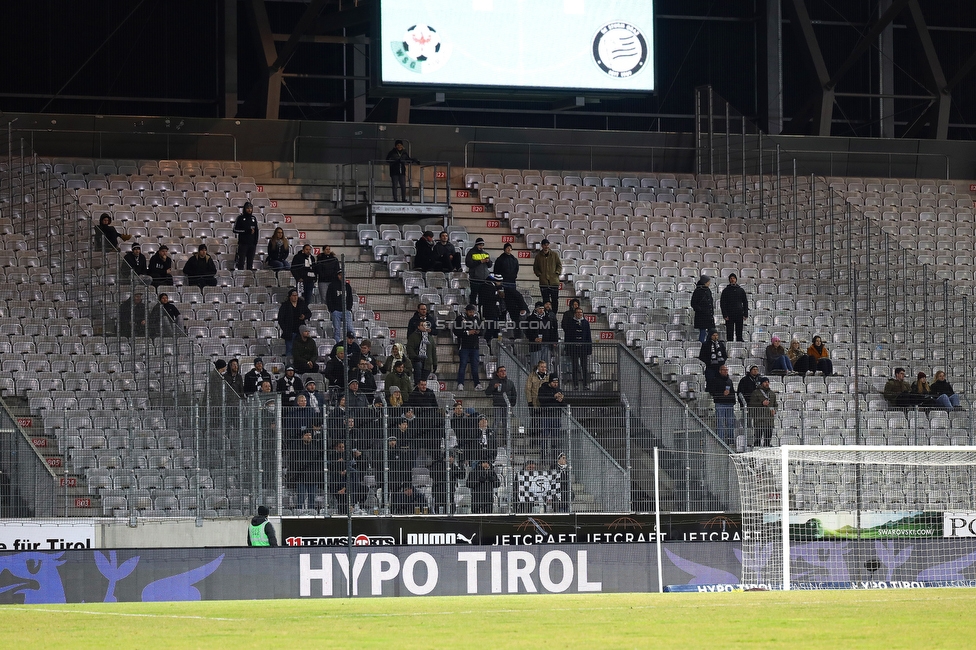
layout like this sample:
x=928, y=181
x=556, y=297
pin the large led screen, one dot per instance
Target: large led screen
x=600, y=45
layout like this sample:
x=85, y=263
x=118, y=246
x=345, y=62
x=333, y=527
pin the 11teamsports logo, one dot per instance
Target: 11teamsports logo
x=620, y=50
x=421, y=50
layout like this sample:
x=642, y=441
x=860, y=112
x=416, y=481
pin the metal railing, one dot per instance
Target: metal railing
x=136, y=144
x=427, y=183
x=28, y=486
x=607, y=157
x=729, y=143
x=315, y=152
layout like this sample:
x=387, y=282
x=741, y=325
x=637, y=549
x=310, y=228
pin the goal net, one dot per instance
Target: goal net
x=829, y=517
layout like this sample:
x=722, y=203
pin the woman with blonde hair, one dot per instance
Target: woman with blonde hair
x=800, y=361
x=278, y=251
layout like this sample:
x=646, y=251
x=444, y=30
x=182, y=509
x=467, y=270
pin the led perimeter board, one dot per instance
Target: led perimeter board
x=600, y=46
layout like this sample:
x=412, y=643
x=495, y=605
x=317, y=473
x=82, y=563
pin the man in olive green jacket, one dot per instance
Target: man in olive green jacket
x=547, y=268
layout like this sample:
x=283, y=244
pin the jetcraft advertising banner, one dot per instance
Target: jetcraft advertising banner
x=515, y=530
x=137, y=575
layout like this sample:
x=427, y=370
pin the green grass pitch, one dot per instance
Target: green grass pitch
x=929, y=618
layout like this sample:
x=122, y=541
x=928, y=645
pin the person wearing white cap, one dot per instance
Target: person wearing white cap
x=548, y=267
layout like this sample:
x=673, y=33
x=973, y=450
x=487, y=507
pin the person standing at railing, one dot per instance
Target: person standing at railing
x=108, y=231
x=246, y=228
x=762, y=411
x=722, y=391
x=548, y=267
x=399, y=159
x=579, y=346
x=500, y=387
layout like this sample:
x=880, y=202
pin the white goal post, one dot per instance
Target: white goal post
x=846, y=516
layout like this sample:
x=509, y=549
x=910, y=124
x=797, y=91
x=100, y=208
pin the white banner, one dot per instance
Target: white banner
x=959, y=524
x=30, y=536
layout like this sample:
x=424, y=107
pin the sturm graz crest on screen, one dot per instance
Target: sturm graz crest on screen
x=620, y=50
x=421, y=49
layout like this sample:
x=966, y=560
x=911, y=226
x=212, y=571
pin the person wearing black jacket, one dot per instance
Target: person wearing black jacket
x=304, y=274
x=422, y=313
x=444, y=475
x=467, y=329
x=278, y=251
x=255, y=376
x=748, y=384
x=482, y=480
x=246, y=229
x=722, y=391
x=339, y=295
x=704, y=306
x=289, y=385
x=327, y=269
x=464, y=425
x=110, y=234
x=507, y=267
x=164, y=318
x=306, y=467
x=161, y=268
x=201, y=270
x=446, y=255
x=516, y=308
x=136, y=261
x=579, y=346
x=734, y=304
x=552, y=402
x=292, y=315
x=132, y=316
x=425, y=259
x=430, y=420
x=408, y=501
x=398, y=170
x=500, y=387
x=712, y=354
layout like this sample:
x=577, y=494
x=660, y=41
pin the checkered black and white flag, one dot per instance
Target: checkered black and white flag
x=537, y=486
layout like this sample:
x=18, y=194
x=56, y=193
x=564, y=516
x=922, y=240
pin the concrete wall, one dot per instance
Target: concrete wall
x=175, y=533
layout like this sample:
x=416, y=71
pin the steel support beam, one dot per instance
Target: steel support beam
x=230, y=58
x=886, y=74
x=820, y=107
x=934, y=122
x=773, y=68
x=272, y=83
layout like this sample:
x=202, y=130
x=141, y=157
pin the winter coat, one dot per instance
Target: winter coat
x=547, y=268
x=704, y=306
x=734, y=302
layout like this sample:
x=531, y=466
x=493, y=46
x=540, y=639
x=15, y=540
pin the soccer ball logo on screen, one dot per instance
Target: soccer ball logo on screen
x=421, y=49
x=620, y=50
